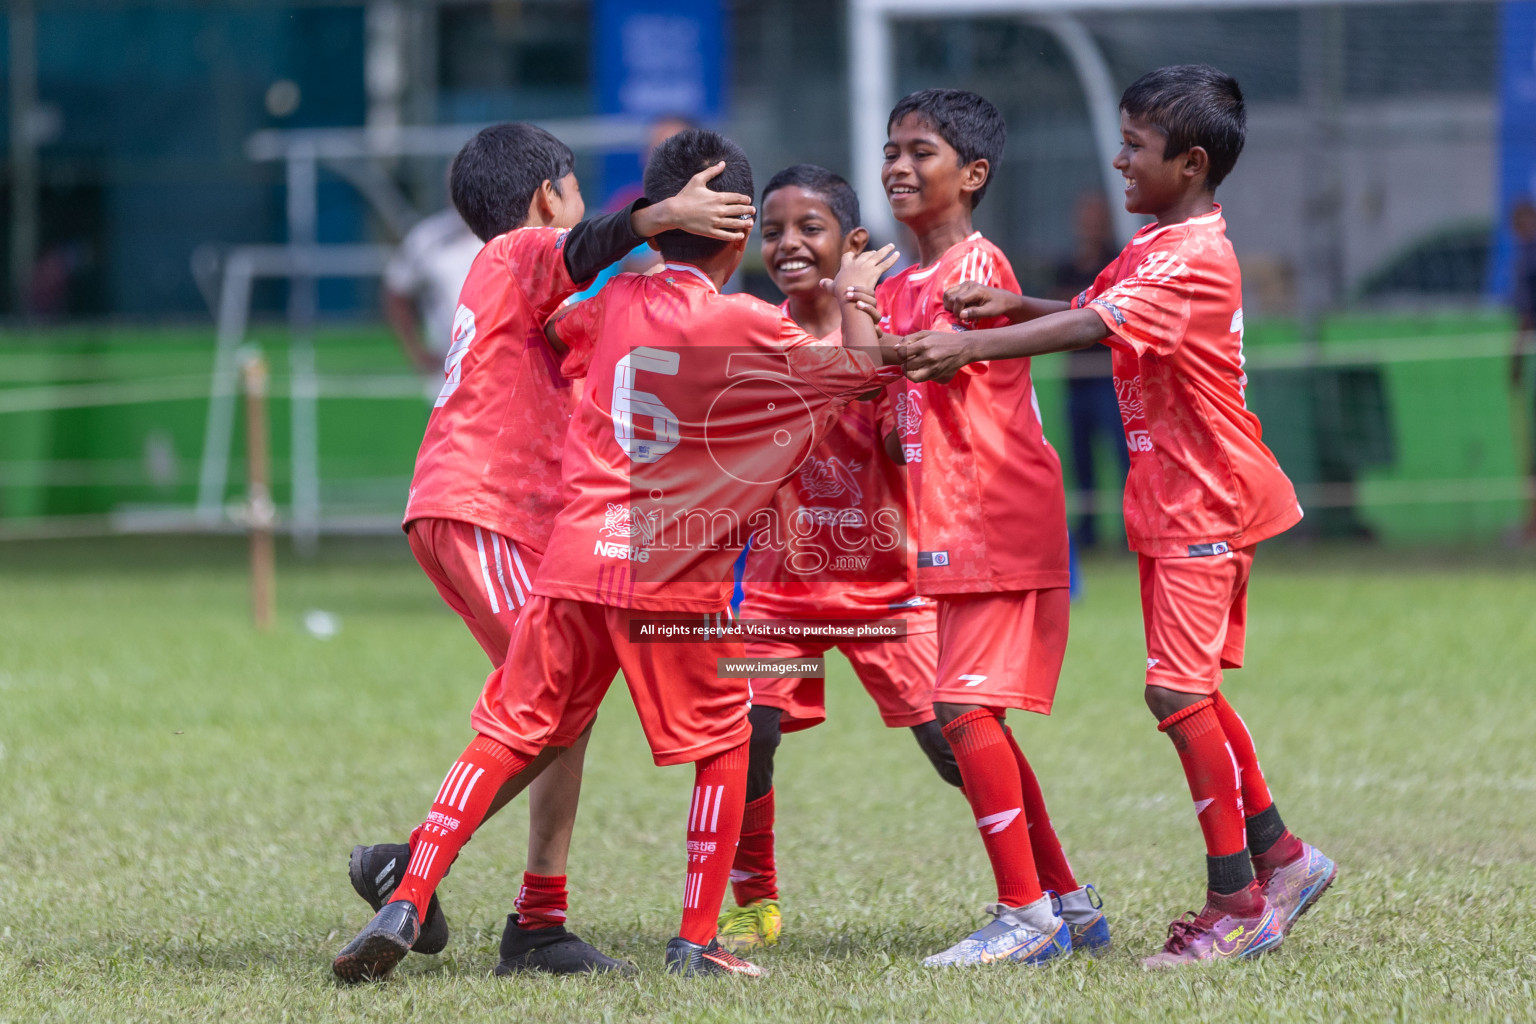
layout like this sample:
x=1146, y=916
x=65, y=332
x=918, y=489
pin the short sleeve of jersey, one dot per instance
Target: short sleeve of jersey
x=978, y=265
x=535, y=259
x=577, y=329
x=1148, y=310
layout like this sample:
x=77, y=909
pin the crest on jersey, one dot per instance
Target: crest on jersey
x=1128, y=393
x=909, y=413
x=830, y=478
x=623, y=521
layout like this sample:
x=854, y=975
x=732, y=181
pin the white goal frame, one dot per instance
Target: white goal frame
x=871, y=74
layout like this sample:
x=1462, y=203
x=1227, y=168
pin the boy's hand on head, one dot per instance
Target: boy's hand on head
x=970, y=300
x=863, y=298
x=700, y=210
x=863, y=270
x=933, y=355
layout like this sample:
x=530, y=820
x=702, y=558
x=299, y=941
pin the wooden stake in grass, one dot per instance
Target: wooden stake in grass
x=260, y=512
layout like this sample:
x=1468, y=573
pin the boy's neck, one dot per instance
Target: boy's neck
x=1187, y=207
x=816, y=312
x=934, y=240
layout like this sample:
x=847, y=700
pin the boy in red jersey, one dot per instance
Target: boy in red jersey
x=836, y=552
x=1203, y=488
x=976, y=458
x=672, y=443
x=487, y=483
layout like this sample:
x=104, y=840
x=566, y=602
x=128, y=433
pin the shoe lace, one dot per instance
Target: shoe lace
x=1184, y=931
x=726, y=958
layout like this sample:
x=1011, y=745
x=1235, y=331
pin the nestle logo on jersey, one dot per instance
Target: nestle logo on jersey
x=608, y=549
x=912, y=452
x=1138, y=441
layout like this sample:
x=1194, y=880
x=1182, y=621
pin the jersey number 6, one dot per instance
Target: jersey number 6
x=629, y=402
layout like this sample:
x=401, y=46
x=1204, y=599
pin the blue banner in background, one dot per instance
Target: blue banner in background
x=656, y=59
x=1517, y=128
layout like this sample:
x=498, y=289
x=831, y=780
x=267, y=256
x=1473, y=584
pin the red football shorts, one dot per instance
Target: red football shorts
x=561, y=660
x=899, y=676
x=1002, y=649
x=1196, y=615
x=480, y=574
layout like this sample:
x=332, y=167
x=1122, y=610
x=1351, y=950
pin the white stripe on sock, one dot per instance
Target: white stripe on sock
x=470, y=789
x=453, y=794
x=448, y=781
x=427, y=861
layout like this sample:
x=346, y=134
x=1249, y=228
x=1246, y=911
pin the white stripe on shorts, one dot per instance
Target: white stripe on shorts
x=485, y=571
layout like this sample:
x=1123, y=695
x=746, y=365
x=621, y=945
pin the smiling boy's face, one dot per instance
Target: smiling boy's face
x=924, y=178
x=1152, y=184
x=802, y=240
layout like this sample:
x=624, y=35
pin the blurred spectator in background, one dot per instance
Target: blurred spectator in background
x=421, y=286
x=1093, y=412
x=1523, y=224
x=53, y=275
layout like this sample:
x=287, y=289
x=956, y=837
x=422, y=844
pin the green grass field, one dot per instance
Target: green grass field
x=178, y=796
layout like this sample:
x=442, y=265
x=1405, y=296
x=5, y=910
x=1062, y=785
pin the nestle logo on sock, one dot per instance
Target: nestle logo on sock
x=439, y=818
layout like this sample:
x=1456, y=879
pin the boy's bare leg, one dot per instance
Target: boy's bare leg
x=535, y=938
x=552, y=802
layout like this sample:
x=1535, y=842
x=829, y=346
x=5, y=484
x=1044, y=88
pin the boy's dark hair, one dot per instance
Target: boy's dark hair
x=830, y=188
x=971, y=125
x=1192, y=105
x=671, y=166
x=494, y=177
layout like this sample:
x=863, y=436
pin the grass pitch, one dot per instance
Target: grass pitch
x=178, y=797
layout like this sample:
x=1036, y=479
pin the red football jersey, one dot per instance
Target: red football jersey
x=845, y=549
x=988, y=500
x=491, y=454
x=1201, y=479
x=697, y=406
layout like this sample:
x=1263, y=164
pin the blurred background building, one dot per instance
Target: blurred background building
x=1388, y=143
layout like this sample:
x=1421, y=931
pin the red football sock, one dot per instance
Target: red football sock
x=1255, y=790
x=714, y=826
x=993, y=787
x=754, y=875
x=1050, y=860
x=458, y=810
x=541, y=902
x=1211, y=768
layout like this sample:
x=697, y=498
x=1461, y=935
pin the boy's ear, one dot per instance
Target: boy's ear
x=545, y=201
x=653, y=243
x=856, y=241
x=974, y=175
x=1197, y=163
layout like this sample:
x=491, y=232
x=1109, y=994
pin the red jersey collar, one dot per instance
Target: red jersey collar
x=695, y=271
x=919, y=275
x=1152, y=230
